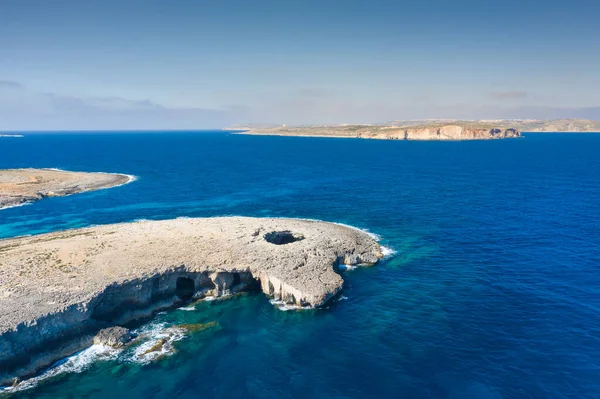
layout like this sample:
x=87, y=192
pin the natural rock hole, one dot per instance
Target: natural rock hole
x=184, y=288
x=283, y=237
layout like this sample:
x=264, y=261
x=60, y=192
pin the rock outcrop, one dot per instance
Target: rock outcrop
x=115, y=337
x=58, y=290
x=19, y=186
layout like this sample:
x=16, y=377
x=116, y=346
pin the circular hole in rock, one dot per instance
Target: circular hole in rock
x=283, y=237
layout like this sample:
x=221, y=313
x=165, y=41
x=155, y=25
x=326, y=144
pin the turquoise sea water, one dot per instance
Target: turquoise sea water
x=494, y=290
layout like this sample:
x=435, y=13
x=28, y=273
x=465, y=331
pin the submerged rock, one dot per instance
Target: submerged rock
x=115, y=337
x=157, y=347
x=197, y=327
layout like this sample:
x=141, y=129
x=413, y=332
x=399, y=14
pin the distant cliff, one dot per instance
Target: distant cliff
x=560, y=125
x=432, y=131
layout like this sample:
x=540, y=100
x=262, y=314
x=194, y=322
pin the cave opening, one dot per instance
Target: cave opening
x=236, y=279
x=184, y=288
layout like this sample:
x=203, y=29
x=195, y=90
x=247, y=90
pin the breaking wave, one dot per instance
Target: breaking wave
x=73, y=364
x=158, y=343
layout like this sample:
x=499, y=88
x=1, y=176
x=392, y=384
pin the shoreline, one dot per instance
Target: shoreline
x=111, y=275
x=328, y=136
x=427, y=132
x=24, y=186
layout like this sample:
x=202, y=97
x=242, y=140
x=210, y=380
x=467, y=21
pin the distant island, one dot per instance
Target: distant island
x=20, y=186
x=438, y=129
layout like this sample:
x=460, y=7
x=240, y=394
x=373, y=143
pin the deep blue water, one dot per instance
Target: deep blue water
x=494, y=291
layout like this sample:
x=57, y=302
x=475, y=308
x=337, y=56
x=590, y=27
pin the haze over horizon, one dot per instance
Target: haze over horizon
x=194, y=64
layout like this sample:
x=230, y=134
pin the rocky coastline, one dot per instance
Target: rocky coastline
x=428, y=132
x=21, y=186
x=58, y=290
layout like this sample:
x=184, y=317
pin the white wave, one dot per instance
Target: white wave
x=374, y=236
x=130, y=179
x=387, y=251
x=73, y=364
x=347, y=268
x=188, y=308
x=279, y=304
x=154, y=333
x=341, y=298
x=16, y=206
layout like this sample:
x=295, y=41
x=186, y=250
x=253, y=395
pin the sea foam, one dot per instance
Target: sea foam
x=73, y=364
x=16, y=206
x=154, y=333
x=286, y=306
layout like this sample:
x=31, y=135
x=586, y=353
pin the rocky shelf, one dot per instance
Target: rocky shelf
x=19, y=186
x=58, y=290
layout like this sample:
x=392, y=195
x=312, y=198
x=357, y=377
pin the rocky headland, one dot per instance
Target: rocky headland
x=58, y=290
x=430, y=131
x=19, y=186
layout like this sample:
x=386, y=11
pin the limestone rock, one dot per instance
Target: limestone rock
x=423, y=130
x=115, y=337
x=18, y=186
x=60, y=289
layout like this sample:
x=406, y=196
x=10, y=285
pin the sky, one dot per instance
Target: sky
x=185, y=64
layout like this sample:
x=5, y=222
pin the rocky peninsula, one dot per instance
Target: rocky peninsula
x=58, y=290
x=19, y=186
x=429, y=131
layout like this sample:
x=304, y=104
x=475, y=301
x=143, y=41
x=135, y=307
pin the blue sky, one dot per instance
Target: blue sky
x=198, y=64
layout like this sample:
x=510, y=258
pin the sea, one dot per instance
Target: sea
x=490, y=288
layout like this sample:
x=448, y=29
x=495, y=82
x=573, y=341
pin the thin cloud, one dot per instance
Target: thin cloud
x=509, y=95
x=314, y=92
x=7, y=84
x=26, y=109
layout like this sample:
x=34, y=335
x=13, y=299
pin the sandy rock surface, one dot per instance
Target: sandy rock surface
x=64, y=287
x=18, y=186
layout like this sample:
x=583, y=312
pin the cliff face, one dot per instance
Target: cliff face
x=58, y=290
x=418, y=132
x=449, y=132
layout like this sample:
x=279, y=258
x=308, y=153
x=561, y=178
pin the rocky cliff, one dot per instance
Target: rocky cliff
x=432, y=131
x=447, y=132
x=58, y=290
